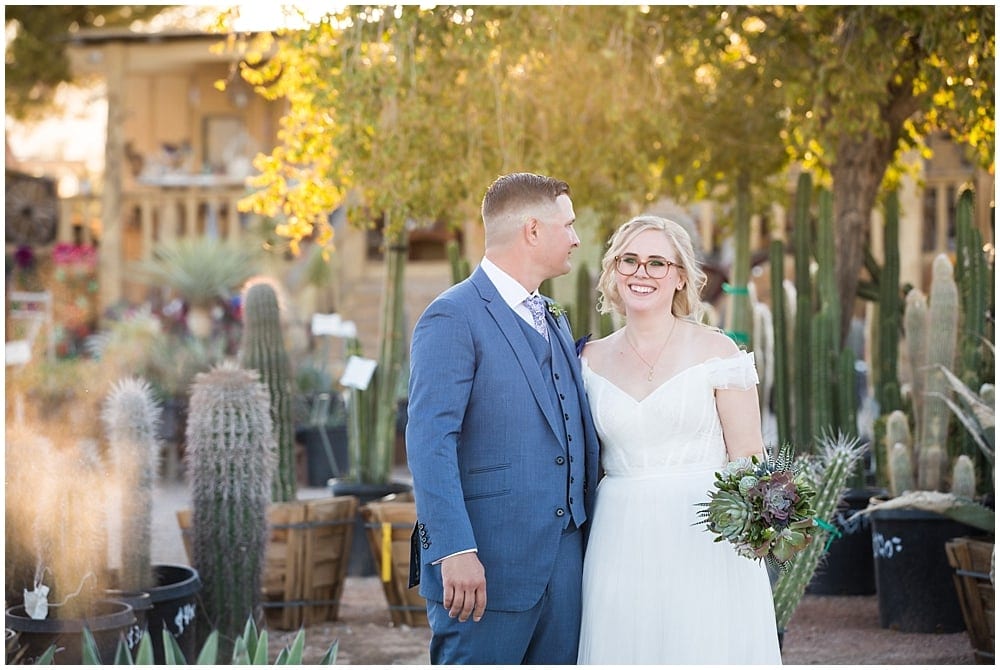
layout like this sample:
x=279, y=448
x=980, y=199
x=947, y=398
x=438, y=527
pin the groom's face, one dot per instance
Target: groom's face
x=558, y=237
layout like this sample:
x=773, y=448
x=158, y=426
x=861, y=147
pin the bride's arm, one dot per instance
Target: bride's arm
x=740, y=416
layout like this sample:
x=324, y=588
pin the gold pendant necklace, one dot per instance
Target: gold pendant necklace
x=652, y=365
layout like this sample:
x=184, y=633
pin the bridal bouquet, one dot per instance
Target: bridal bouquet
x=763, y=507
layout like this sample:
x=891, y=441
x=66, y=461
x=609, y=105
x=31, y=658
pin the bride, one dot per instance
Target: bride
x=673, y=400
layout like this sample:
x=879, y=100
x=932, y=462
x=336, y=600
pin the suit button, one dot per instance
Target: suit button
x=566, y=416
x=570, y=501
x=569, y=438
x=421, y=526
x=562, y=397
x=556, y=375
x=560, y=460
x=426, y=545
x=560, y=511
x=572, y=479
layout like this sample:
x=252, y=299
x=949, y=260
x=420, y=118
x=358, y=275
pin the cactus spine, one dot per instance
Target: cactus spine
x=131, y=415
x=782, y=392
x=839, y=456
x=231, y=460
x=263, y=349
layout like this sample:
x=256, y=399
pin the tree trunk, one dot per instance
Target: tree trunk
x=857, y=174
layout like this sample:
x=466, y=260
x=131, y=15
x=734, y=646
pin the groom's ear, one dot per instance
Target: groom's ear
x=531, y=230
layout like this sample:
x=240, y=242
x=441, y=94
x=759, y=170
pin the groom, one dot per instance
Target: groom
x=501, y=444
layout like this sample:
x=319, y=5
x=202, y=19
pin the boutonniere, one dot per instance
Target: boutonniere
x=556, y=309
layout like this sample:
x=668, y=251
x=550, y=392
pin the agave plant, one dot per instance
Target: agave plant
x=201, y=270
x=250, y=648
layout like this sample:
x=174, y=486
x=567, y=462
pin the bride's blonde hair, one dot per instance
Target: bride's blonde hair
x=687, y=301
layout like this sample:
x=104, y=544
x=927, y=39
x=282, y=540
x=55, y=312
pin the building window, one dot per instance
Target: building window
x=425, y=244
x=929, y=236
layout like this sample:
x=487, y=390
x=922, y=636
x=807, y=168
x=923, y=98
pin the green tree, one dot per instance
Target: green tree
x=36, y=60
x=861, y=85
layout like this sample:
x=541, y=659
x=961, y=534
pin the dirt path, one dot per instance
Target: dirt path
x=825, y=630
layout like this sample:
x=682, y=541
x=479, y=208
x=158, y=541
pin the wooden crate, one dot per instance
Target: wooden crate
x=325, y=556
x=305, y=561
x=282, y=580
x=972, y=560
x=394, y=520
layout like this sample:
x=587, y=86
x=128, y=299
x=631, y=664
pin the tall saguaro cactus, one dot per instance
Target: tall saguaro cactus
x=779, y=312
x=131, y=415
x=231, y=460
x=803, y=311
x=263, y=349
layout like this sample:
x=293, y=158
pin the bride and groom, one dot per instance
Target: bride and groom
x=556, y=482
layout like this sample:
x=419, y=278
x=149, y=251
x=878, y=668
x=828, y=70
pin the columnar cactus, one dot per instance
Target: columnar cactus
x=583, y=307
x=803, y=311
x=838, y=457
x=901, y=472
x=942, y=338
x=963, y=477
x=231, y=460
x=915, y=325
x=890, y=311
x=779, y=312
x=131, y=415
x=263, y=349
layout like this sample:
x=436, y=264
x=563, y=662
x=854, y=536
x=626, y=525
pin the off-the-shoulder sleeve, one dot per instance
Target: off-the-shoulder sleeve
x=734, y=372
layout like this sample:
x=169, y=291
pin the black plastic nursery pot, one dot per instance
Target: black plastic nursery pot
x=141, y=603
x=174, y=607
x=108, y=620
x=916, y=589
x=361, y=563
x=848, y=567
x=319, y=468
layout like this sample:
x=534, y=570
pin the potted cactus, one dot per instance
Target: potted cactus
x=933, y=487
x=231, y=462
x=131, y=416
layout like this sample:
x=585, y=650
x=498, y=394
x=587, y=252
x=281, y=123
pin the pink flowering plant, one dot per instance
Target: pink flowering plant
x=763, y=507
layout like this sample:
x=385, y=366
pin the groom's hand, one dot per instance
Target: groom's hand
x=464, y=586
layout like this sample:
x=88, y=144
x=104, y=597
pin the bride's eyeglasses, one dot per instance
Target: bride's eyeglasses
x=656, y=266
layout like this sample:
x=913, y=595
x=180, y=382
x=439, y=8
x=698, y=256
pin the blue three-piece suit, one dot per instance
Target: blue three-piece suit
x=504, y=458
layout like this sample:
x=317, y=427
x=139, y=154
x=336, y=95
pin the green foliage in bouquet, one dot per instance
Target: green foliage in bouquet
x=763, y=507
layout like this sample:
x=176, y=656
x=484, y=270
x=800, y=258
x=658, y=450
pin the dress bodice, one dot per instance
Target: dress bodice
x=676, y=427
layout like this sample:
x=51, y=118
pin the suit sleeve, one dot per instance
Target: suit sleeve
x=442, y=370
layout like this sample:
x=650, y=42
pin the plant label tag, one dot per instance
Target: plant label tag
x=333, y=325
x=358, y=372
x=36, y=602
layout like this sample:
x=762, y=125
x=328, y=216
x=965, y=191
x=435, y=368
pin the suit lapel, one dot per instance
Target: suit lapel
x=506, y=320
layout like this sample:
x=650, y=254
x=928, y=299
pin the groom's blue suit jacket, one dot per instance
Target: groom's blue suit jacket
x=494, y=464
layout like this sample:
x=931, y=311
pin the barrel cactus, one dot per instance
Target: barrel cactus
x=231, y=461
x=263, y=349
x=131, y=415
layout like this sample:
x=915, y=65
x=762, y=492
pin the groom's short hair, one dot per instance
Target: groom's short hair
x=510, y=194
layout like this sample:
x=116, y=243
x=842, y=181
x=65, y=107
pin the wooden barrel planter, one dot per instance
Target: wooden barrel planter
x=972, y=559
x=389, y=524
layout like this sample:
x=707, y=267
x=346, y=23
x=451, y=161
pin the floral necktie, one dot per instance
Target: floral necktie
x=536, y=305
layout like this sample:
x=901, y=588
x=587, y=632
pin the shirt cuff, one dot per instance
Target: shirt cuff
x=457, y=553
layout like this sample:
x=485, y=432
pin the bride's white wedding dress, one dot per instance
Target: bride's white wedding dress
x=656, y=588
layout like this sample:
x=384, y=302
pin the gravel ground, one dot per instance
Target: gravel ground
x=825, y=630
